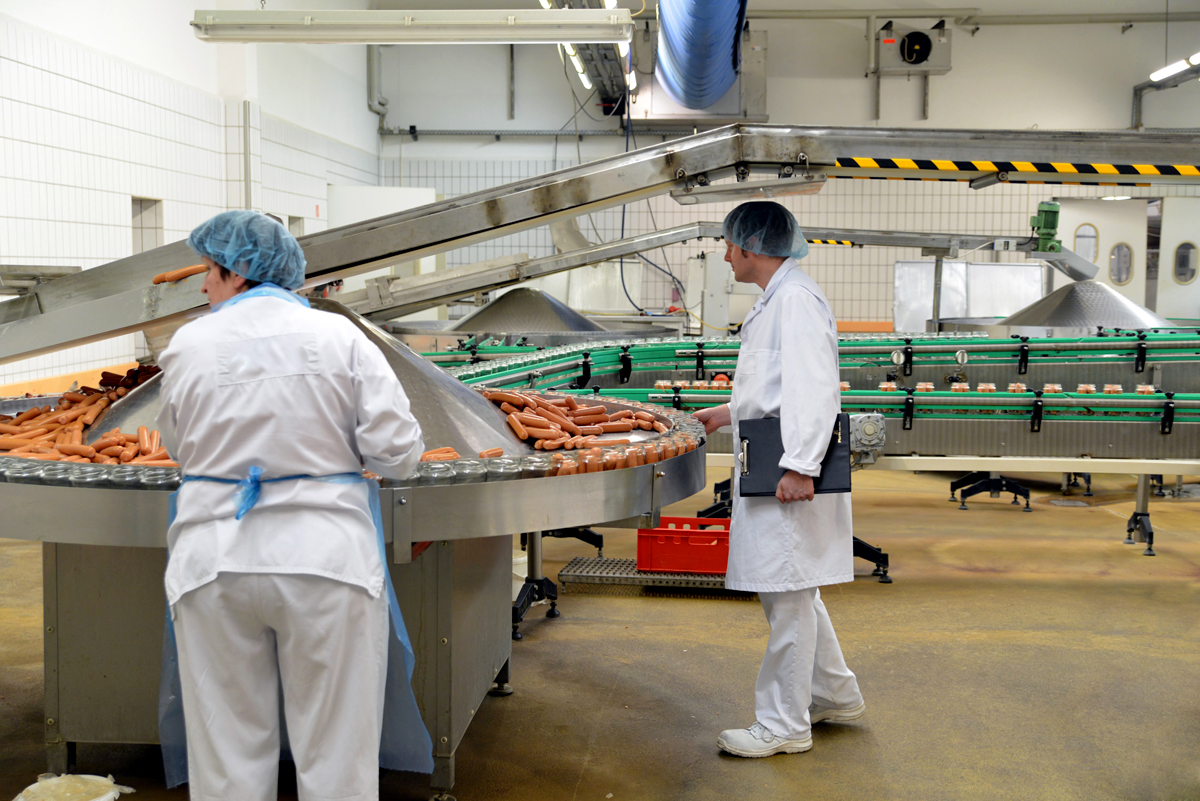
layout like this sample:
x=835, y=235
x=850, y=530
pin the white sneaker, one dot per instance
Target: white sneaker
x=818, y=714
x=756, y=741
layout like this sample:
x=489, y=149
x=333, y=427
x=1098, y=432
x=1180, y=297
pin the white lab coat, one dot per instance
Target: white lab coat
x=297, y=392
x=788, y=368
x=295, y=589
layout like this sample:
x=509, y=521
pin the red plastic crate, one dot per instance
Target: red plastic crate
x=680, y=545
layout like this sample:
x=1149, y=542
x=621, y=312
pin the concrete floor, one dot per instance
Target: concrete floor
x=1016, y=655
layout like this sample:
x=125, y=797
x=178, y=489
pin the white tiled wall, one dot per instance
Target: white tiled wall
x=82, y=133
x=858, y=281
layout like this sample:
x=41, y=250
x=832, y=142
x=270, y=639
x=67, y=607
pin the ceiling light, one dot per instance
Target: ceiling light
x=610, y=4
x=535, y=26
x=545, y=3
x=631, y=80
x=1194, y=60
x=1169, y=70
x=585, y=80
x=1117, y=197
x=623, y=49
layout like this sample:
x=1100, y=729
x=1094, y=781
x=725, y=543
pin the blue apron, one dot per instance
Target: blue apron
x=405, y=743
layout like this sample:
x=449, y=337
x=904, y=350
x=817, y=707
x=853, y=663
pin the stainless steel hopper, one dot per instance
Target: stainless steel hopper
x=1081, y=307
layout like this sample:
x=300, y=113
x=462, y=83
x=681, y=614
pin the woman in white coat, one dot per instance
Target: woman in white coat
x=275, y=577
x=786, y=547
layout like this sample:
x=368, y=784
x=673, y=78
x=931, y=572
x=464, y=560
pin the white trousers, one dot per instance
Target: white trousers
x=803, y=664
x=243, y=635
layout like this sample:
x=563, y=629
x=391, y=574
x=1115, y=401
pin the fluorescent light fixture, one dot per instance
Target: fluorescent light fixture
x=545, y=3
x=610, y=4
x=1194, y=60
x=434, y=26
x=1117, y=197
x=748, y=190
x=623, y=49
x=585, y=80
x=631, y=80
x=1169, y=70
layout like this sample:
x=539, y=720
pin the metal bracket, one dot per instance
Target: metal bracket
x=1023, y=357
x=626, y=365
x=910, y=406
x=1168, y=415
x=401, y=528
x=585, y=374
x=1139, y=362
x=677, y=401
x=741, y=170
x=534, y=375
x=908, y=357
x=1039, y=405
x=699, y=361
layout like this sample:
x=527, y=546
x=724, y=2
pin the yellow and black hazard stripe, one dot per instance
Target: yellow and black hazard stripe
x=1048, y=167
x=829, y=241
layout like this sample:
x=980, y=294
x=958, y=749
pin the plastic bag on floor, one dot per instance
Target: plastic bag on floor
x=73, y=788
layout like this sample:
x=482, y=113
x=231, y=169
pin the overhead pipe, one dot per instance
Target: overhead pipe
x=375, y=99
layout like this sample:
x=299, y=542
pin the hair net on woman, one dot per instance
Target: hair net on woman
x=766, y=228
x=252, y=245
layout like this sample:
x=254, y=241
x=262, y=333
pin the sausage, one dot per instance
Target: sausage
x=660, y=427
x=509, y=397
x=180, y=274
x=110, y=380
x=143, y=440
x=537, y=421
x=155, y=456
x=131, y=450
x=517, y=427
x=159, y=463
x=645, y=425
x=543, y=433
x=572, y=404
x=86, y=451
x=43, y=457
x=8, y=443
x=621, y=415
x=619, y=428
x=74, y=397
x=491, y=453
x=590, y=431
x=7, y=429
x=107, y=442
x=121, y=392
x=591, y=420
x=446, y=456
x=588, y=411
x=26, y=416
x=508, y=408
x=155, y=440
x=114, y=451
x=644, y=416
x=614, y=442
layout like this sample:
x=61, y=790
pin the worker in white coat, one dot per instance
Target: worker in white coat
x=786, y=547
x=275, y=576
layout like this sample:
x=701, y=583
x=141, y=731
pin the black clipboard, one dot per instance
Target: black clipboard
x=761, y=447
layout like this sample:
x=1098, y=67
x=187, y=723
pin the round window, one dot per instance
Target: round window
x=1120, y=264
x=1086, y=239
x=1186, y=258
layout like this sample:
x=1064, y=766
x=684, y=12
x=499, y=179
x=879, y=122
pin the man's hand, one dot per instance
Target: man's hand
x=713, y=418
x=794, y=487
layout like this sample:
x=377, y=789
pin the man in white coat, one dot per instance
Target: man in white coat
x=291, y=592
x=786, y=547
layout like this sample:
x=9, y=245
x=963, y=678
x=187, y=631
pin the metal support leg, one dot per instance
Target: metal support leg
x=501, y=688
x=442, y=778
x=536, y=588
x=864, y=550
x=1138, y=528
x=1178, y=486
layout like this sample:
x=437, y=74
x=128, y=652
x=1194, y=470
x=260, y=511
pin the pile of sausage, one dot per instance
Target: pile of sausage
x=132, y=378
x=552, y=423
x=56, y=435
x=449, y=454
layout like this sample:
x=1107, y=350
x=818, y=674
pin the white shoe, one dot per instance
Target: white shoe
x=756, y=741
x=818, y=714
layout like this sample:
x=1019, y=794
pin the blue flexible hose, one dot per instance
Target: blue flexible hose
x=699, y=49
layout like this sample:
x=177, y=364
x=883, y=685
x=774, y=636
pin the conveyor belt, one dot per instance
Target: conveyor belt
x=583, y=570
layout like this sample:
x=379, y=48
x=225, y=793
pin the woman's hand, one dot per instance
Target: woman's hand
x=713, y=418
x=794, y=487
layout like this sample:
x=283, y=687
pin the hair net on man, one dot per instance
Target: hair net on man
x=252, y=245
x=766, y=228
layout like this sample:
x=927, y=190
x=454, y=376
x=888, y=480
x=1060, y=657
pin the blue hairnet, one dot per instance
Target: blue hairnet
x=767, y=228
x=252, y=245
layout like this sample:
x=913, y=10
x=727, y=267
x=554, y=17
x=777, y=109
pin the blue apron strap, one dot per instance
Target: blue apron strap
x=405, y=743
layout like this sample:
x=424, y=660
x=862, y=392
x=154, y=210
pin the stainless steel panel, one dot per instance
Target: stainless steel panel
x=77, y=516
x=139, y=408
x=525, y=310
x=110, y=611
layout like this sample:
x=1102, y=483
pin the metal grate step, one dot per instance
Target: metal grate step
x=583, y=570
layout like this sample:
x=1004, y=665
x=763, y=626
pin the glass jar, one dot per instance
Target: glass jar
x=535, y=466
x=469, y=471
x=986, y=388
x=925, y=386
x=1052, y=389
x=887, y=386
x=614, y=458
x=502, y=469
x=1086, y=389
x=1113, y=389
x=591, y=463
x=960, y=387
x=1017, y=387
x=429, y=473
x=57, y=474
x=28, y=472
x=7, y=462
x=125, y=476
x=1145, y=389
x=845, y=386
x=89, y=475
x=566, y=466
x=155, y=478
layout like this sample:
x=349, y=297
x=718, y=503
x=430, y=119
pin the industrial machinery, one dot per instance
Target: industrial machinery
x=103, y=546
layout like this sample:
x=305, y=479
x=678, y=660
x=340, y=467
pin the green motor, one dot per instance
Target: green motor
x=1045, y=227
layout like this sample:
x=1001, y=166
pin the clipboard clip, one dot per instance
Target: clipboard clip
x=744, y=457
